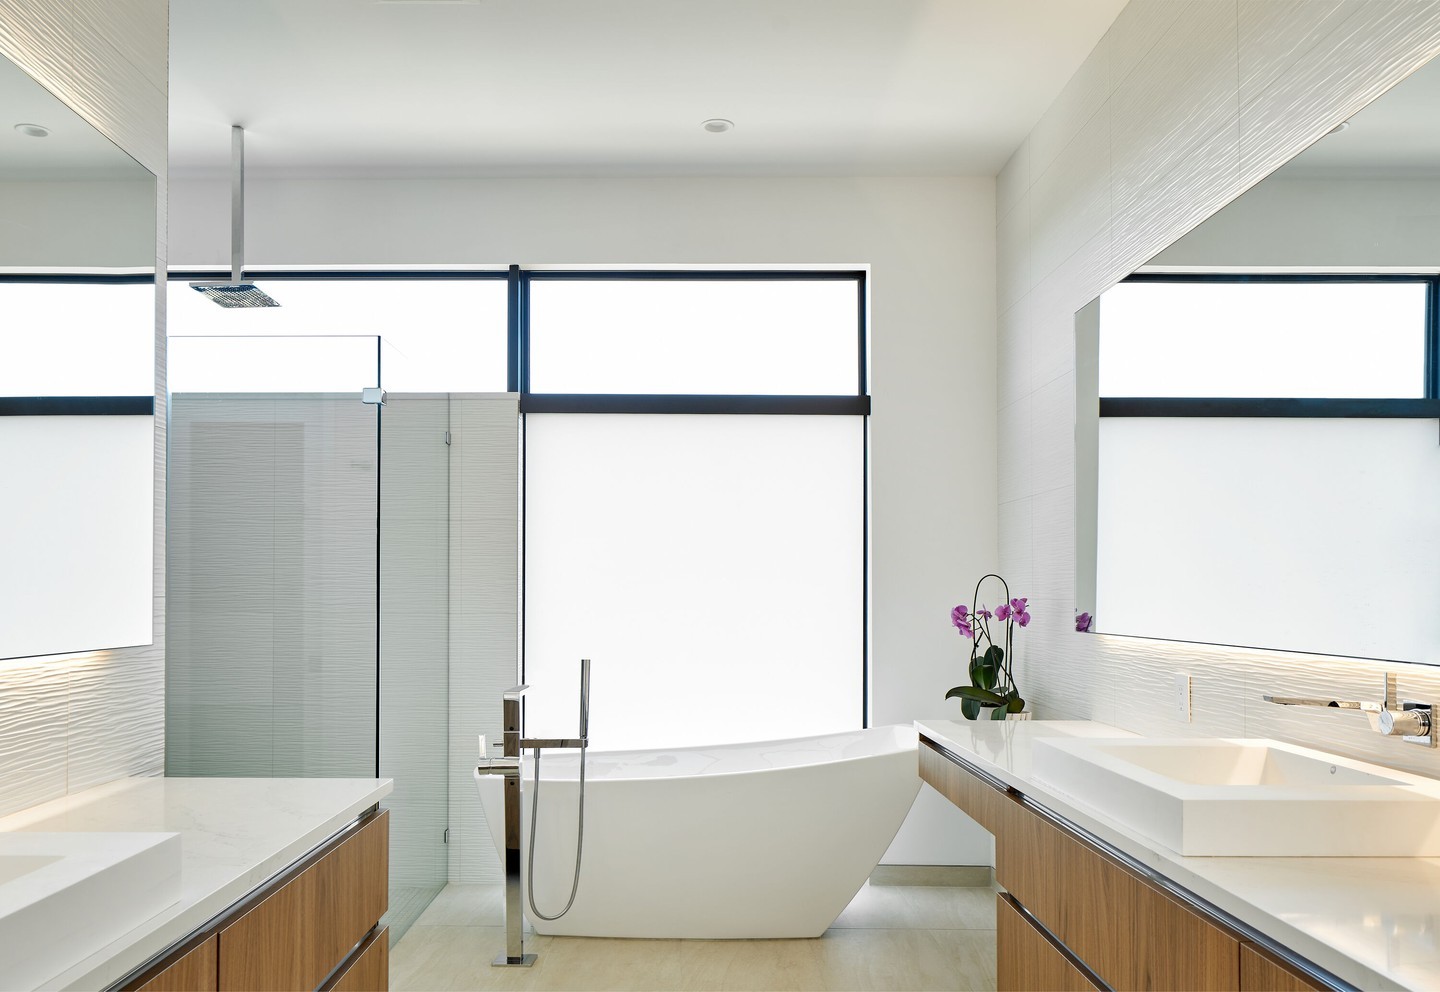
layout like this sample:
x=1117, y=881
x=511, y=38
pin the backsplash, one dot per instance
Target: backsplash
x=70, y=722
x=1181, y=107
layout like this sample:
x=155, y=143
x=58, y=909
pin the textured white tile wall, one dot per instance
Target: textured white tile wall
x=72, y=722
x=484, y=607
x=1182, y=106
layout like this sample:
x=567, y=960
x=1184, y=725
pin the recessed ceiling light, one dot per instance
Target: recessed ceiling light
x=717, y=125
x=33, y=130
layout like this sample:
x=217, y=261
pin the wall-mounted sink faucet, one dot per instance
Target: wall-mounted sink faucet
x=1394, y=717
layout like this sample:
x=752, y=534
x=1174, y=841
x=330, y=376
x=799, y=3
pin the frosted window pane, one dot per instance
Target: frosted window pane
x=710, y=566
x=272, y=365
x=1328, y=340
x=702, y=337
x=78, y=559
x=1331, y=544
x=77, y=339
x=440, y=335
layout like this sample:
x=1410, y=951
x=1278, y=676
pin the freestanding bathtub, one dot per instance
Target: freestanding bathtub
x=769, y=839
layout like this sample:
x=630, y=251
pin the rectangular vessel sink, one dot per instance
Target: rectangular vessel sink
x=64, y=896
x=1247, y=798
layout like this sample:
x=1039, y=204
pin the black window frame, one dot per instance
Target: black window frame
x=79, y=406
x=518, y=281
x=1410, y=408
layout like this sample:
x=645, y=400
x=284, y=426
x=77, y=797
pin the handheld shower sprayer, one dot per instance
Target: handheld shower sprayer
x=583, y=742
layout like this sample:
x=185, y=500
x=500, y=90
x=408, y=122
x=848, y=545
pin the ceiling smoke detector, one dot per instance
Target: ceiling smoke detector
x=717, y=125
x=33, y=130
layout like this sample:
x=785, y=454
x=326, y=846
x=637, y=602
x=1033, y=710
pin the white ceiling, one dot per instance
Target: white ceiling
x=618, y=87
x=72, y=150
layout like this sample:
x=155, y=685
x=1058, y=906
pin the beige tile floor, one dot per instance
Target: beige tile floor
x=892, y=937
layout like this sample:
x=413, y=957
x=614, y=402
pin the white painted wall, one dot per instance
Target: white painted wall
x=71, y=722
x=1181, y=107
x=930, y=247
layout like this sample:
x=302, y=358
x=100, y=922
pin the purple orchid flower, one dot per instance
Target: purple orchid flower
x=1083, y=623
x=962, y=618
x=1015, y=609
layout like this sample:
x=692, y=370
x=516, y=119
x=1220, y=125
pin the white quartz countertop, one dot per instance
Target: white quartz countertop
x=235, y=834
x=1373, y=922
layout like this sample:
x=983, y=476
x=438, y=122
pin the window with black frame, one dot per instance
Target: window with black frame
x=695, y=503
x=1267, y=452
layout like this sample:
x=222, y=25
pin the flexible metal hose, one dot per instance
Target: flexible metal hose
x=579, y=840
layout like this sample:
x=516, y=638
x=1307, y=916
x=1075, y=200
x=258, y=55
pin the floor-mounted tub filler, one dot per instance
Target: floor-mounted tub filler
x=768, y=839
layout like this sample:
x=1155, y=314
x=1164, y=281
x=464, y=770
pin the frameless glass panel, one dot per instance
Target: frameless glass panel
x=272, y=559
x=726, y=337
x=272, y=364
x=441, y=335
x=1184, y=553
x=77, y=339
x=712, y=567
x=1263, y=339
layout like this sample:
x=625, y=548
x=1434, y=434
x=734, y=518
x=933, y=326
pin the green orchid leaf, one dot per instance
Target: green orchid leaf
x=983, y=674
x=983, y=696
x=971, y=708
x=998, y=714
x=994, y=656
x=1015, y=705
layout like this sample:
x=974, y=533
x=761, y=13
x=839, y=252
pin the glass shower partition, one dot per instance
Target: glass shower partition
x=284, y=657
x=272, y=550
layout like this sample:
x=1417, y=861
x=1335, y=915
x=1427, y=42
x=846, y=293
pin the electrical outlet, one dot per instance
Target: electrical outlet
x=1182, y=696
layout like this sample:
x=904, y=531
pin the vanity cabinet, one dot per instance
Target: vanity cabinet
x=316, y=926
x=1028, y=957
x=1073, y=916
x=195, y=970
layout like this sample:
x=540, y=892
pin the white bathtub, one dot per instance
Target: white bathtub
x=768, y=839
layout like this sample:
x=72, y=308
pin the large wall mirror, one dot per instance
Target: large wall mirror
x=77, y=381
x=1258, y=409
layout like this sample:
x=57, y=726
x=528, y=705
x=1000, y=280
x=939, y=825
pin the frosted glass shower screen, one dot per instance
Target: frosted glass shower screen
x=712, y=567
x=271, y=659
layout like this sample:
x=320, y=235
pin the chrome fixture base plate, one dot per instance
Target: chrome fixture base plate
x=505, y=961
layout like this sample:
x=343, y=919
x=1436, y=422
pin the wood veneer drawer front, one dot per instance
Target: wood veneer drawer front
x=369, y=967
x=1130, y=933
x=1028, y=960
x=197, y=970
x=351, y=891
x=980, y=801
x=296, y=937
x=1261, y=972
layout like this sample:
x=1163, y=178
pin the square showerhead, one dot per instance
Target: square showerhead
x=235, y=295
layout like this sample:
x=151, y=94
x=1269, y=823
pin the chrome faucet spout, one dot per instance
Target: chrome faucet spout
x=1344, y=704
x=1394, y=717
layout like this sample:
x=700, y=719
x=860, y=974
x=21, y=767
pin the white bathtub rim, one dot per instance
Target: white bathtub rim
x=568, y=772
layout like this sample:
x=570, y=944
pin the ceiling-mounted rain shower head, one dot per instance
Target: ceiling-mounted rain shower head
x=237, y=293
